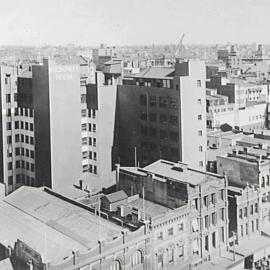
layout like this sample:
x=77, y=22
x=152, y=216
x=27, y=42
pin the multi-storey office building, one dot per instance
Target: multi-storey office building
x=175, y=184
x=161, y=114
x=39, y=144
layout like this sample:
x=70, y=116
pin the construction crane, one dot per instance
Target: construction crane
x=179, y=48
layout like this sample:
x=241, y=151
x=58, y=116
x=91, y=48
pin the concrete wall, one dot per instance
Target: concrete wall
x=190, y=109
x=57, y=106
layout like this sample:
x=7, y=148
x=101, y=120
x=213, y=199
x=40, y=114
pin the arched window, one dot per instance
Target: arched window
x=115, y=265
x=136, y=258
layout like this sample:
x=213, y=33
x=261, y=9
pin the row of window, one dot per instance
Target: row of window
x=21, y=138
x=171, y=231
x=20, y=151
x=90, y=155
x=91, y=113
x=252, y=209
x=170, y=256
x=22, y=164
x=23, y=179
x=253, y=223
x=164, y=102
x=163, y=118
x=24, y=125
x=90, y=168
x=24, y=111
x=8, y=98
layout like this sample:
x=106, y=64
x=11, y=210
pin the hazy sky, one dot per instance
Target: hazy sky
x=127, y=22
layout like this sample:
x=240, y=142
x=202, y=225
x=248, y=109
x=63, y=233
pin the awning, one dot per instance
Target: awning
x=195, y=246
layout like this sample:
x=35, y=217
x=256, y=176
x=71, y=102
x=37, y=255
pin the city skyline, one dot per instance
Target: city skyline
x=119, y=23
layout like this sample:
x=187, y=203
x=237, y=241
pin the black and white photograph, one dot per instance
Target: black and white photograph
x=134, y=135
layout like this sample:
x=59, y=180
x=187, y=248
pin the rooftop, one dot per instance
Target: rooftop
x=151, y=209
x=116, y=196
x=50, y=225
x=163, y=169
x=155, y=73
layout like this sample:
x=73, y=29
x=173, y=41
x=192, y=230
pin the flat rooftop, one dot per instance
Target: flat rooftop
x=155, y=73
x=163, y=169
x=151, y=209
x=50, y=225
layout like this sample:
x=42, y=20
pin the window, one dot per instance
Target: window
x=143, y=116
x=173, y=103
x=222, y=234
x=32, y=155
x=199, y=101
x=246, y=228
x=213, y=198
x=199, y=117
x=170, y=231
x=84, y=141
x=9, y=139
x=181, y=227
x=143, y=100
x=8, y=125
x=214, y=239
x=174, y=136
x=163, y=102
x=252, y=226
x=251, y=209
x=200, y=132
x=22, y=138
x=170, y=255
x=199, y=83
x=18, y=164
x=26, y=139
x=22, y=126
x=201, y=163
x=144, y=130
x=31, y=127
x=26, y=125
x=256, y=207
x=240, y=213
x=83, y=113
x=181, y=251
x=152, y=101
x=263, y=182
x=153, y=132
x=8, y=98
x=17, y=124
x=32, y=167
x=9, y=165
x=200, y=148
x=153, y=117
x=222, y=213
x=257, y=224
x=206, y=243
x=205, y=201
x=94, y=141
x=163, y=118
x=17, y=138
x=95, y=156
x=160, y=236
x=94, y=128
x=214, y=219
x=206, y=221
x=173, y=120
x=10, y=180
x=245, y=212
x=114, y=266
x=95, y=169
x=17, y=151
x=136, y=258
x=84, y=127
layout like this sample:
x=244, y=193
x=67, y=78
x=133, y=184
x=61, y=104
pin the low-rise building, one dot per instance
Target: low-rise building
x=175, y=184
